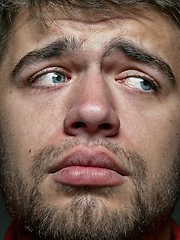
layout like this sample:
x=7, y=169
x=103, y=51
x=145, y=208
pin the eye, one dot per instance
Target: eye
x=139, y=83
x=48, y=78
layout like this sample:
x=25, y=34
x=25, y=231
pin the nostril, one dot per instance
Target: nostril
x=77, y=125
x=105, y=126
x=79, y=121
x=81, y=125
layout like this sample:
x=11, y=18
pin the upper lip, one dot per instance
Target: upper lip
x=97, y=157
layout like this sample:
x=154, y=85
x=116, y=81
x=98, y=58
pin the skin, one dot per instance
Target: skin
x=147, y=122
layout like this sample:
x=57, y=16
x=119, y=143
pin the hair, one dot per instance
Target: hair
x=10, y=8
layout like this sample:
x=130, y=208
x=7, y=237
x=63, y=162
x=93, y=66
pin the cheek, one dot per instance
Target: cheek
x=29, y=124
x=154, y=134
x=149, y=126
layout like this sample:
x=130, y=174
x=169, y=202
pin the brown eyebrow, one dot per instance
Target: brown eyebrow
x=55, y=49
x=71, y=45
x=134, y=52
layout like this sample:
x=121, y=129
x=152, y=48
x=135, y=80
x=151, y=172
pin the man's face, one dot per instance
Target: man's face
x=90, y=124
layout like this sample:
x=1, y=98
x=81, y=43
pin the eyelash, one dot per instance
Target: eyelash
x=155, y=86
x=122, y=79
x=39, y=74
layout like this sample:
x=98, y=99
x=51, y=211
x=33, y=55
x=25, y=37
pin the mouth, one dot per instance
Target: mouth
x=83, y=166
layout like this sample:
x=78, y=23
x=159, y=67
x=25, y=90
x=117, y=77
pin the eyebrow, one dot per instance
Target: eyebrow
x=72, y=45
x=134, y=52
x=55, y=49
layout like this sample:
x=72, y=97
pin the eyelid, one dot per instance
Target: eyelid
x=46, y=71
x=136, y=74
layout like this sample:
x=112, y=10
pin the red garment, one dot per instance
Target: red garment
x=11, y=232
x=175, y=230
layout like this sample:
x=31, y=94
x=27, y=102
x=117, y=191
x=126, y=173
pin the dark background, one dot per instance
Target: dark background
x=5, y=219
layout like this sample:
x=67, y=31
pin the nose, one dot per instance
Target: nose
x=92, y=111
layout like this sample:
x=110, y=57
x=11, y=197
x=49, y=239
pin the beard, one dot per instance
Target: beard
x=86, y=214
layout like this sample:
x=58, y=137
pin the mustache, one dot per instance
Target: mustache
x=45, y=157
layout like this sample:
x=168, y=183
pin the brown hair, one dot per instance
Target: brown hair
x=10, y=8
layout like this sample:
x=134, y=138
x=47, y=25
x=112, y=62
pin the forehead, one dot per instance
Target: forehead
x=149, y=29
x=151, y=22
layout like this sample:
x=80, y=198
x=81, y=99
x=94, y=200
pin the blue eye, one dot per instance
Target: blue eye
x=139, y=83
x=48, y=79
x=57, y=77
x=146, y=85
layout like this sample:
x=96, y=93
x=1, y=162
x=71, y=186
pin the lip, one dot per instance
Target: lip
x=94, y=166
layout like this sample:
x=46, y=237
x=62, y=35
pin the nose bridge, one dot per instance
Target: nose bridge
x=92, y=108
x=95, y=93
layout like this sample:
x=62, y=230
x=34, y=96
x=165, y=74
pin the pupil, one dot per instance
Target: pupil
x=58, y=77
x=146, y=85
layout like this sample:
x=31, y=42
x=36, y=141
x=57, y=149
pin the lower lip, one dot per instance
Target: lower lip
x=79, y=176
